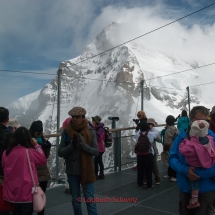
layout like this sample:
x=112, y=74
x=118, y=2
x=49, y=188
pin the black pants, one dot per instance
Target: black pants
x=145, y=164
x=99, y=162
x=205, y=200
x=43, y=185
x=171, y=172
x=23, y=208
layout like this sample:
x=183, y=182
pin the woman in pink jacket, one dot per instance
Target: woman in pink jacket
x=199, y=151
x=17, y=177
x=100, y=134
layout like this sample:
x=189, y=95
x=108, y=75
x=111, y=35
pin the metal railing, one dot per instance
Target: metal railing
x=118, y=159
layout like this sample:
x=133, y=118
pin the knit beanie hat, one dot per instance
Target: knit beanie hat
x=36, y=126
x=199, y=128
x=141, y=113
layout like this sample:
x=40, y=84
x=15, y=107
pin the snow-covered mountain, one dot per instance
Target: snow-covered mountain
x=108, y=85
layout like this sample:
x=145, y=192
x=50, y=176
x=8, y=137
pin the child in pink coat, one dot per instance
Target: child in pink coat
x=199, y=151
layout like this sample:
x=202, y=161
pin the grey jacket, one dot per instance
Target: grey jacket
x=72, y=155
x=158, y=139
x=170, y=134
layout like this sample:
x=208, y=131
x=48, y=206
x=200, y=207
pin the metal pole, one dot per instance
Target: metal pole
x=119, y=150
x=188, y=95
x=142, y=93
x=115, y=146
x=58, y=121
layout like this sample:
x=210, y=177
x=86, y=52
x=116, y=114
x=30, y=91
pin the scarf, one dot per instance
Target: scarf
x=87, y=166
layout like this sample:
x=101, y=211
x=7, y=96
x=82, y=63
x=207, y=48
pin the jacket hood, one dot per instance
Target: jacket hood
x=184, y=119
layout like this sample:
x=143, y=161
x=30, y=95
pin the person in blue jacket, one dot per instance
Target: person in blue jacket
x=183, y=121
x=186, y=172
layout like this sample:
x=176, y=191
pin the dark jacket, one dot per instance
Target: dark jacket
x=4, y=134
x=43, y=171
x=139, y=123
x=72, y=155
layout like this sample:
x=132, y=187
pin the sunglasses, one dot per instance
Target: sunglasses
x=38, y=133
x=77, y=117
x=198, y=119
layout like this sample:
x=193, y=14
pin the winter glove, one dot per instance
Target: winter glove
x=81, y=140
x=166, y=148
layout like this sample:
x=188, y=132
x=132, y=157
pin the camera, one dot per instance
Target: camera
x=114, y=118
x=136, y=120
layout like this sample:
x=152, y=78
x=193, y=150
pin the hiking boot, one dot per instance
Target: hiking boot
x=67, y=191
x=173, y=179
x=101, y=176
x=149, y=188
x=166, y=177
x=193, y=204
x=134, y=168
x=157, y=182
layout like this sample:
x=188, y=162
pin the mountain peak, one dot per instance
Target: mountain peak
x=106, y=39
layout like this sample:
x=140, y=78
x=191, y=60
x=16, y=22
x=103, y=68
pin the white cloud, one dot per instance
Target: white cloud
x=60, y=30
x=195, y=43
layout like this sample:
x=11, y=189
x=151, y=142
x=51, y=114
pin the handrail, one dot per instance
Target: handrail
x=111, y=130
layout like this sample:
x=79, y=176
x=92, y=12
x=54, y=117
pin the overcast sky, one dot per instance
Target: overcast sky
x=35, y=36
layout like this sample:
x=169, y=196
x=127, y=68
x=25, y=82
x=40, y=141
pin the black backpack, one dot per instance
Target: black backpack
x=108, y=137
x=143, y=146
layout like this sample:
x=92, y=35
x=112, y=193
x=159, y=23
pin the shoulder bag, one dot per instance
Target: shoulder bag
x=39, y=197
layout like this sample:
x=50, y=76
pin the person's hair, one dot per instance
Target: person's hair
x=184, y=113
x=144, y=126
x=20, y=137
x=142, y=113
x=197, y=109
x=170, y=120
x=4, y=114
x=31, y=132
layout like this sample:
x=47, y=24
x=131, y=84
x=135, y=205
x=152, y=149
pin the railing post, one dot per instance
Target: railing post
x=142, y=93
x=115, y=145
x=188, y=95
x=115, y=150
x=119, y=150
x=58, y=122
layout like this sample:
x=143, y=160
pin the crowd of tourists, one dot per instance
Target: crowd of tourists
x=82, y=146
x=188, y=150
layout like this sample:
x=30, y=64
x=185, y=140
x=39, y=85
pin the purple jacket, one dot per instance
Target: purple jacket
x=100, y=134
x=198, y=155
